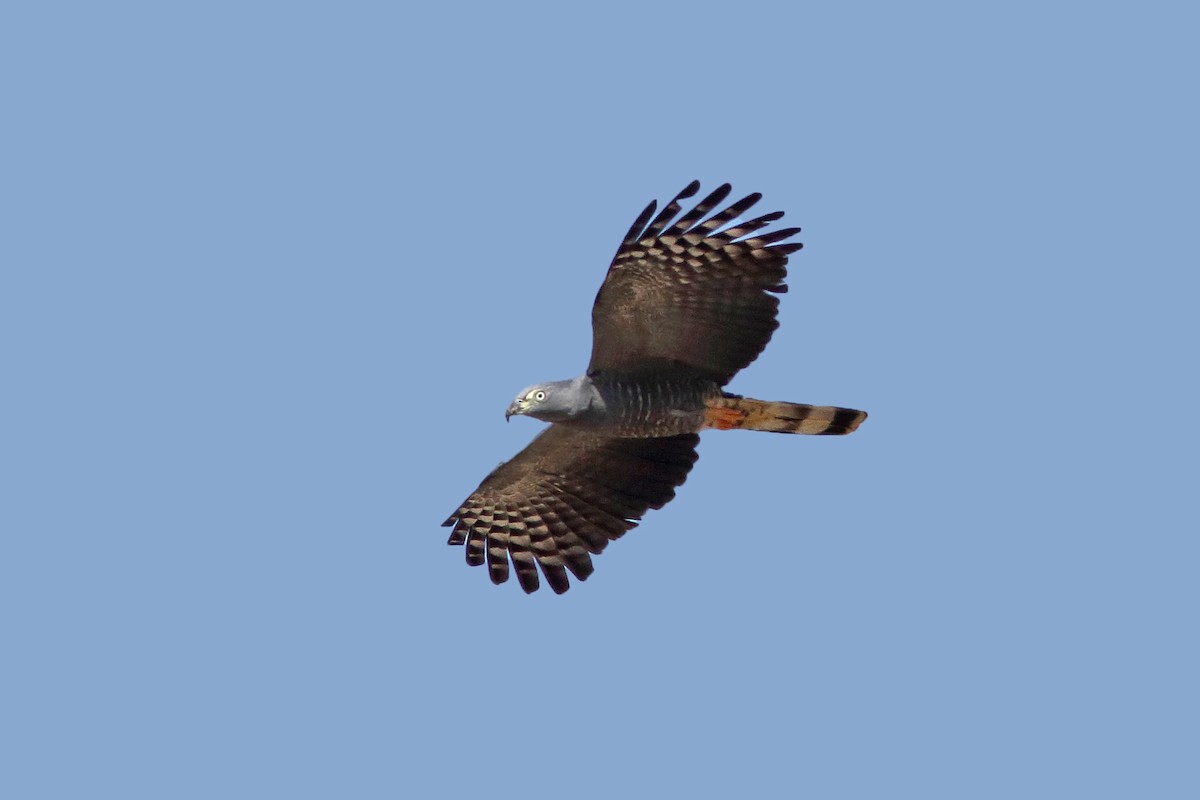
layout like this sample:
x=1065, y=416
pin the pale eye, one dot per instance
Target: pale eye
x=539, y=396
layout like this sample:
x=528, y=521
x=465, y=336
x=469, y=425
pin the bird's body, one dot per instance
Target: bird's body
x=685, y=305
x=624, y=405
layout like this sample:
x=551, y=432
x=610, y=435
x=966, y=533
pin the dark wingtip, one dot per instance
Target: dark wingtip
x=639, y=224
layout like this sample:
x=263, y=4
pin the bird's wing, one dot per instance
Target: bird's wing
x=564, y=497
x=689, y=293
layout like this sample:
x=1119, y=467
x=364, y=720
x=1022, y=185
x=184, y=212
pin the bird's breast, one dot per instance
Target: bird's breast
x=637, y=407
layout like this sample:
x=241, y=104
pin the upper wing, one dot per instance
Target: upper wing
x=565, y=496
x=691, y=293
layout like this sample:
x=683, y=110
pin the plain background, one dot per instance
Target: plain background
x=272, y=272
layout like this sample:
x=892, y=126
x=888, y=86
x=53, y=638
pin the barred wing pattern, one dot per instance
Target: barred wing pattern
x=564, y=498
x=689, y=294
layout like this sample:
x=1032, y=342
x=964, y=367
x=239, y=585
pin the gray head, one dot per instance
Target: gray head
x=555, y=401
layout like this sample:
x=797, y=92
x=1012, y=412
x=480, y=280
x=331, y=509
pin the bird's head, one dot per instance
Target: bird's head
x=552, y=402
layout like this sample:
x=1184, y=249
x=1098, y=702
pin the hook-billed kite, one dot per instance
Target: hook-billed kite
x=685, y=305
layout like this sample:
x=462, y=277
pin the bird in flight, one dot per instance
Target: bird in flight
x=686, y=303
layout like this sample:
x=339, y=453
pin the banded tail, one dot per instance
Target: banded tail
x=730, y=412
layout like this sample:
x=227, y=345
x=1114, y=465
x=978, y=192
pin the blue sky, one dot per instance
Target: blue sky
x=272, y=272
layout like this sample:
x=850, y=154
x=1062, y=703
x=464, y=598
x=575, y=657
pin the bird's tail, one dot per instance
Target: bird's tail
x=730, y=411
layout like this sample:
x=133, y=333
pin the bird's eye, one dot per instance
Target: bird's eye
x=539, y=396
